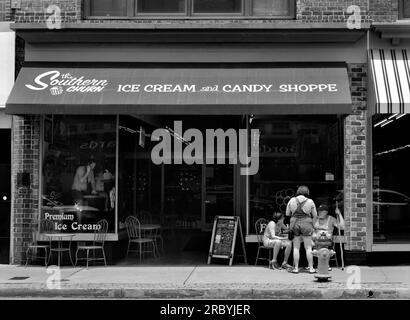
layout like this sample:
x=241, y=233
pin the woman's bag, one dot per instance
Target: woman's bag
x=291, y=235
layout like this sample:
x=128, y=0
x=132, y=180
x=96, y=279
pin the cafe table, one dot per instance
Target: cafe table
x=150, y=231
x=60, y=249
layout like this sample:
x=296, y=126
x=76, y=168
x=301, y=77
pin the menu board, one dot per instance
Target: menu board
x=223, y=240
x=225, y=229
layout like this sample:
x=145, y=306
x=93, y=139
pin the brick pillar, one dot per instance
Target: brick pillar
x=24, y=208
x=355, y=167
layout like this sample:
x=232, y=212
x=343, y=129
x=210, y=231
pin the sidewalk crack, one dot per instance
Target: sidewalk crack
x=72, y=274
x=189, y=276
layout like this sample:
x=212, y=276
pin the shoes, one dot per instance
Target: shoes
x=275, y=265
x=310, y=270
x=293, y=270
x=286, y=266
x=329, y=269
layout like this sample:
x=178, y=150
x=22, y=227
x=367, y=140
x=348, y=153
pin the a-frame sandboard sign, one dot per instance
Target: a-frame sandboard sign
x=224, y=234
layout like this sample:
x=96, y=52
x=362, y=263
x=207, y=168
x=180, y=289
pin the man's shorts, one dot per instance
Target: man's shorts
x=302, y=226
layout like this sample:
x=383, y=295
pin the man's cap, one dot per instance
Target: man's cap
x=323, y=207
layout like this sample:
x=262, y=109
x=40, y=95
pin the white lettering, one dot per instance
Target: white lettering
x=38, y=80
x=312, y=87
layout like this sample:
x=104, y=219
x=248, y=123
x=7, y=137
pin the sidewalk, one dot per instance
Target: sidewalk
x=199, y=282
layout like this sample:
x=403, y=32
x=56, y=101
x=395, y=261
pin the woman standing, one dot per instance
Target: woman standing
x=302, y=211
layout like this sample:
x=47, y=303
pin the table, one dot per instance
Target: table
x=96, y=200
x=59, y=237
x=148, y=231
x=149, y=227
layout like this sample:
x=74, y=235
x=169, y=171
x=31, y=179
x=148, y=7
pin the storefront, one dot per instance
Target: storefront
x=173, y=136
x=389, y=97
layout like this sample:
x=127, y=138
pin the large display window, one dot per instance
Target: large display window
x=78, y=172
x=139, y=180
x=296, y=150
x=391, y=176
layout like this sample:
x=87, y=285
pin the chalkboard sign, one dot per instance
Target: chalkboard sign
x=223, y=240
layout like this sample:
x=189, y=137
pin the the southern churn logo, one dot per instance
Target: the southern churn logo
x=59, y=83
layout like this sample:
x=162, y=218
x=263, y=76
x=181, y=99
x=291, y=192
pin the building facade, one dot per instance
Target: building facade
x=319, y=139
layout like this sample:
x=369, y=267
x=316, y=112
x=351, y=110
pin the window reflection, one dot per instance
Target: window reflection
x=217, y=6
x=296, y=150
x=161, y=6
x=79, y=158
x=391, y=189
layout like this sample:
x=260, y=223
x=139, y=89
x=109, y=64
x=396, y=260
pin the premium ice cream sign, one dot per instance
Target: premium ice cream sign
x=59, y=83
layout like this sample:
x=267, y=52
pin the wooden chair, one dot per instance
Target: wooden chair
x=97, y=245
x=135, y=237
x=260, y=226
x=34, y=246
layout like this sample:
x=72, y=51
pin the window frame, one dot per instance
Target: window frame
x=245, y=14
x=401, y=11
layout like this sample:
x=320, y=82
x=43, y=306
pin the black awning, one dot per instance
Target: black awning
x=181, y=91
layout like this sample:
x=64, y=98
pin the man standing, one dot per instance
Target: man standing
x=83, y=176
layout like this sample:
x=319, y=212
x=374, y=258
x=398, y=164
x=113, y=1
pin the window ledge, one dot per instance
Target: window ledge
x=193, y=23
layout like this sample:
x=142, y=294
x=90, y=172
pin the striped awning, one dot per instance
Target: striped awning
x=391, y=80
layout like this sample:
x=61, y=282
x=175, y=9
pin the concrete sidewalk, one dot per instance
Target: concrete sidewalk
x=200, y=282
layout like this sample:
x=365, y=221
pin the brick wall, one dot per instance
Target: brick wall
x=383, y=10
x=36, y=10
x=25, y=158
x=355, y=192
x=5, y=11
x=329, y=10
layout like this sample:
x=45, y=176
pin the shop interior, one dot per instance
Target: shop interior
x=184, y=198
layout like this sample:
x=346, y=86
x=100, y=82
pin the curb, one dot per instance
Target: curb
x=207, y=293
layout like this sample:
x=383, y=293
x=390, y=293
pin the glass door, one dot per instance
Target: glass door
x=218, y=193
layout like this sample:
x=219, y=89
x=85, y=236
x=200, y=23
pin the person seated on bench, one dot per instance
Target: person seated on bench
x=275, y=237
x=325, y=224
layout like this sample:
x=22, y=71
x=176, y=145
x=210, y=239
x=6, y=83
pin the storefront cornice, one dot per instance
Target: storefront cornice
x=393, y=31
x=174, y=32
